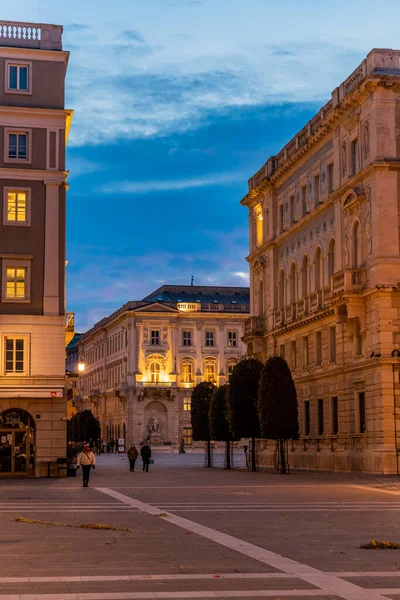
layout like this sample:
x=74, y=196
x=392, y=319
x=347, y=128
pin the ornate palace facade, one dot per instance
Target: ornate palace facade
x=143, y=361
x=325, y=272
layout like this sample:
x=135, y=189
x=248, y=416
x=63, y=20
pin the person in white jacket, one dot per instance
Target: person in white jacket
x=86, y=460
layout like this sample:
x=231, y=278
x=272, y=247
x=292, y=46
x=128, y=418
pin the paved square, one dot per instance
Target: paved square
x=199, y=533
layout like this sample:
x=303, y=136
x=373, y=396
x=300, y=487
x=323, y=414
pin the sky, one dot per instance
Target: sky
x=177, y=104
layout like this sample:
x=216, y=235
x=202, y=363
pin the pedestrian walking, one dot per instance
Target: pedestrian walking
x=112, y=443
x=86, y=460
x=182, y=447
x=132, y=456
x=146, y=455
x=116, y=446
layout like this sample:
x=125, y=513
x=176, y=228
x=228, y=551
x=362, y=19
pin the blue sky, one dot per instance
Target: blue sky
x=177, y=103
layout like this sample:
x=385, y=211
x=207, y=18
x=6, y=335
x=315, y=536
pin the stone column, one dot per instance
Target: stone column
x=132, y=351
x=140, y=365
x=51, y=295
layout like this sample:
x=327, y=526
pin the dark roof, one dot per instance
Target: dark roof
x=74, y=342
x=200, y=293
x=390, y=71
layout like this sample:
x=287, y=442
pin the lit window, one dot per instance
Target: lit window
x=187, y=338
x=155, y=338
x=230, y=368
x=187, y=436
x=18, y=146
x=14, y=355
x=18, y=78
x=187, y=403
x=232, y=339
x=17, y=206
x=16, y=282
x=209, y=338
x=210, y=372
x=187, y=375
x=155, y=369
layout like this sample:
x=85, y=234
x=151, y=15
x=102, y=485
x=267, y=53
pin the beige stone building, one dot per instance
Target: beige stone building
x=33, y=132
x=142, y=362
x=325, y=272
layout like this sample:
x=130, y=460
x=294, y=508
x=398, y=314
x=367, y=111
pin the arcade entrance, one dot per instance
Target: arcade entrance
x=17, y=443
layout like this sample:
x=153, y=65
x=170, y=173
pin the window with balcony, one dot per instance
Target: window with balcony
x=318, y=270
x=318, y=348
x=320, y=413
x=187, y=338
x=210, y=369
x=334, y=416
x=187, y=372
x=155, y=371
x=155, y=337
x=332, y=344
x=232, y=339
x=209, y=338
x=304, y=276
x=307, y=419
x=292, y=283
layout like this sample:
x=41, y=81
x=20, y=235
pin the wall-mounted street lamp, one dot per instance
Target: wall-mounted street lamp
x=81, y=366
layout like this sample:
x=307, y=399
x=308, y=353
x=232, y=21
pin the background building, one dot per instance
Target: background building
x=325, y=272
x=33, y=131
x=143, y=360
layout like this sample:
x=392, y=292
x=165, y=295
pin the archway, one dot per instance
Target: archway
x=17, y=442
x=155, y=423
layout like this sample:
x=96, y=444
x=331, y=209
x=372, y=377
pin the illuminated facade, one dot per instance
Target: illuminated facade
x=34, y=129
x=325, y=272
x=143, y=361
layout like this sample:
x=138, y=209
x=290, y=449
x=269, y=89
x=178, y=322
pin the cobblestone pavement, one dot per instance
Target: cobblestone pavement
x=198, y=533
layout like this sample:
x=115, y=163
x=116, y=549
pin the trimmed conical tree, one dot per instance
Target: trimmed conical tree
x=243, y=402
x=277, y=404
x=201, y=398
x=219, y=425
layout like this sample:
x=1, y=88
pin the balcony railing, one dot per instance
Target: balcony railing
x=290, y=312
x=31, y=35
x=254, y=326
x=278, y=318
x=315, y=301
x=157, y=384
x=302, y=307
x=349, y=280
x=327, y=293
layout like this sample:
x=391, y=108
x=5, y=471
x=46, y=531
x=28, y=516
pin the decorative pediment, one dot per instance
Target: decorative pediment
x=354, y=195
x=259, y=262
x=156, y=307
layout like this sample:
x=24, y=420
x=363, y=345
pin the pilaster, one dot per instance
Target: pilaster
x=51, y=296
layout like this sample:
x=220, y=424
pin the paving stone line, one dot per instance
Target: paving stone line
x=326, y=582
x=168, y=595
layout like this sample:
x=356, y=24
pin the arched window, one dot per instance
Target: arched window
x=318, y=270
x=229, y=367
x=293, y=283
x=259, y=226
x=155, y=371
x=187, y=370
x=331, y=259
x=304, y=277
x=282, y=289
x=261, y=299
x=356, y=246
x=210, y=370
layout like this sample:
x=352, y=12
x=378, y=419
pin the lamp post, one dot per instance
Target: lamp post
x=81, y=366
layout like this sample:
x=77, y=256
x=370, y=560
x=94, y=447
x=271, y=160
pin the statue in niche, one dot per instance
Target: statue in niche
x=154, y=425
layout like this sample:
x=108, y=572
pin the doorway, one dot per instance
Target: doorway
x=17, y=443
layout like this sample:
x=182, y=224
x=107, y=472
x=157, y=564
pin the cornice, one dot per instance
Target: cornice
x=51, y=177
x=34, y=54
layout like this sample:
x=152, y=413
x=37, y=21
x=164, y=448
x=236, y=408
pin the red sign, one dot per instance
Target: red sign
x=56, y=394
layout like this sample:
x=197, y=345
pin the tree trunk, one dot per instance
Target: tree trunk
x=208, y=454
x=282, y=456
x=228, y=455
x=253, y=454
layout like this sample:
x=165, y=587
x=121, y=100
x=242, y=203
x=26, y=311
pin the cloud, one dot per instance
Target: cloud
x=76, y=27
x=132, y=36
x=169, y=185
x=78, y=166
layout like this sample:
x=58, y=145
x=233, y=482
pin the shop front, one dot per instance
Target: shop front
x=17, y=443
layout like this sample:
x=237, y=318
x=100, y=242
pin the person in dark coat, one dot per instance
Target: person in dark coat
x=145, y=453
x=132, y=456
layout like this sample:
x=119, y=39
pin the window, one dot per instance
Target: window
x=330, y=178
x=291, y=210
x=259, y=226
x=209, y=338
x=18, y=77
x=17, y=146
x=187, y=373
x=16, y=283
x=281, y=218
x=155, y=369
x=335, y=415
x=187, y=436
x=332, y=344
x=210, y=371
x=304, y=277
x=307, y=421
x=282, y=290
x=304, y=200
x=187, y=403
x=282, y=350
x=331, y=259
x=318, y=348
x=16, y=207
x=231, y=366
x=320, y=408
x=14, y=355
x=155, y=337
x=316, y=191
x=356, y=246
x=354, y=151
x=361, y=412
x=232, y=339
x=318, y=270
x=187, y=338
x=293, y=355
x=306, y=356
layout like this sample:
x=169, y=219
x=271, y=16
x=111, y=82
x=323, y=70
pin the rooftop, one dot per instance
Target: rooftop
x=41, y=36
x=200, y=293
x=380, y=62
